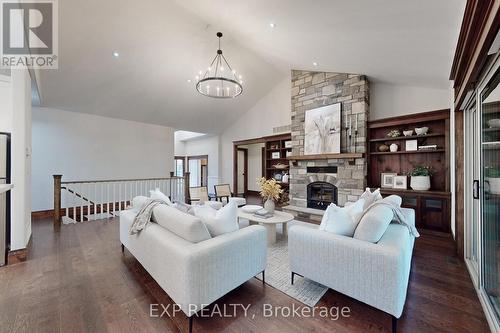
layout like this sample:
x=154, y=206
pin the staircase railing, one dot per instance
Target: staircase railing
x=86, y=200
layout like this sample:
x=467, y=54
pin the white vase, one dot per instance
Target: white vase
x=494, y=185
x=420, y=183
x=269, y=205
x=394, y=147
x=285, y=178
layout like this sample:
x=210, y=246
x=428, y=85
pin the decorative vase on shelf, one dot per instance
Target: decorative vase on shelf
x=394, y=147
x=269, y=205
x=285, y=178
x=420, y=183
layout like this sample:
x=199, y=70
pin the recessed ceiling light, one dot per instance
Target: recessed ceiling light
x=315, y=64
x=116, y=54
x=272, y=25
x=189, y=80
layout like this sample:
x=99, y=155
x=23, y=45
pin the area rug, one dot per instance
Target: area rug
x=278, y=274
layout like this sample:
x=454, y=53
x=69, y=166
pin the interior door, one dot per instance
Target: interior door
x=241, y=172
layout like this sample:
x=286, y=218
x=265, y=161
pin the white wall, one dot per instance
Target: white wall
x=87, y=147
x=387, y=100
x=254, y=165
x=205, y=145
x=271, y=111
x=15, y=118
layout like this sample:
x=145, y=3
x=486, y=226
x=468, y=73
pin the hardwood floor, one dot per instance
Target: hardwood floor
x=79, y=281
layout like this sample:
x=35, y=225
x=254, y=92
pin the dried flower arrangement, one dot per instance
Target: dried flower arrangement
x=270, y=189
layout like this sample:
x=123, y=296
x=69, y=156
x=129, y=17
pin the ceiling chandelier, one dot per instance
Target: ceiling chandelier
x=220, y=80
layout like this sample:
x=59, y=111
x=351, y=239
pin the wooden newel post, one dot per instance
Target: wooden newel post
x=186, y=188
x=57, y=202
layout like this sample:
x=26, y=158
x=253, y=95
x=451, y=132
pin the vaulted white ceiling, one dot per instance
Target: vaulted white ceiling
x=163, y=43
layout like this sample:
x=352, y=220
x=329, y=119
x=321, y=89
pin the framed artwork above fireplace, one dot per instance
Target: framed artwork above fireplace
x=322, y=130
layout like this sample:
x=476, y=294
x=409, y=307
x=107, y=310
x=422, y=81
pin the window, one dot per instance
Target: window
x=179, y=166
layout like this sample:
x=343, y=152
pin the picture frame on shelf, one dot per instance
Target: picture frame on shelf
x=411, y=145
x=288, y=144
x=400, y=182
x=275, y=155
x=387, y=179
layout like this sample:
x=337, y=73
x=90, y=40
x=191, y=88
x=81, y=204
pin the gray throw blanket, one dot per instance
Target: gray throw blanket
x=399, y=216
x=144, y=215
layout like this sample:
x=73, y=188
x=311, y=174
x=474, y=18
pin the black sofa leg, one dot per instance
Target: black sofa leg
x=190, y=319
x=123, y=248
x=394, y=324
x=293, y=275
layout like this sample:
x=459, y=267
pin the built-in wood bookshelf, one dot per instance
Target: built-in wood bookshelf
x=277, y=151
x=432, y=207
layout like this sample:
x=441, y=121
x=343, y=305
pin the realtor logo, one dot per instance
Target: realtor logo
x=29, y=33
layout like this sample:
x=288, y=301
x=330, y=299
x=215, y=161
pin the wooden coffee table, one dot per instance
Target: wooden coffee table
x=269, y=223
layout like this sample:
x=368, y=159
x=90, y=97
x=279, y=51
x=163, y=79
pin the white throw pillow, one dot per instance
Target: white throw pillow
x=220, y=221
x=394, y=199
x=183, y=225
x=158, y=195
x=138, y=202
x=370, y=197
x=183, y=207
x=374, y=223
x=355, y=210
x=342, y=220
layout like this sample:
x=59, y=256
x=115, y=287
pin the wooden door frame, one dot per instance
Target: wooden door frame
x=264, y=140
x=245, y=170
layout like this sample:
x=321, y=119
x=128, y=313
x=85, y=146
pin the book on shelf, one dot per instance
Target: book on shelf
x=428, y=147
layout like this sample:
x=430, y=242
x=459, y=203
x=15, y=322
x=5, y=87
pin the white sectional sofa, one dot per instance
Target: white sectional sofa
x=194, y=273
x=374, y=273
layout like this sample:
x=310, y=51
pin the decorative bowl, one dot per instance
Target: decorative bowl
x=280, y=166
x=383, y=148
x=421, y=130
x=408, y=133
x=251, y=208
x=494, y=123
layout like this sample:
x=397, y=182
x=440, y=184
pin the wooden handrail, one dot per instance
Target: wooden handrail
x=117, y=180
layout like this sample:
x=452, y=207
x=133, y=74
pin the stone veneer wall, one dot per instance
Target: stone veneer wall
x=311, y=90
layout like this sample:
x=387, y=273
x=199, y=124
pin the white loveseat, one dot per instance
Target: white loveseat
x=374, y=273
x=195, y=274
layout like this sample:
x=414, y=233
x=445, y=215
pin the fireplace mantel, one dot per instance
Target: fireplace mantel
x=349, y=156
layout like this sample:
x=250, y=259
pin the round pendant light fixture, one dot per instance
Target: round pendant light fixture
x=219, y=80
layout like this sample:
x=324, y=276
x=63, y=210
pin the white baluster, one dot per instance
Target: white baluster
x=107, y=200
x=113, y=186
x=66, y=204
x=81, y=201
x=119, y=197
x=87, y=195
x=95, y=200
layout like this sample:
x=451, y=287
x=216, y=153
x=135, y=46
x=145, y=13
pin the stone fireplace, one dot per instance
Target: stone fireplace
x=316, y=181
